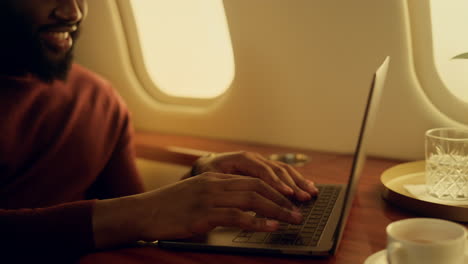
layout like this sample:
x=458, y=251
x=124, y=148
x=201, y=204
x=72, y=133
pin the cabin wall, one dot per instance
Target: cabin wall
x=303, y=71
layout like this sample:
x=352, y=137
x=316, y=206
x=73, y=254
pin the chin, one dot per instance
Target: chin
x=51, y=66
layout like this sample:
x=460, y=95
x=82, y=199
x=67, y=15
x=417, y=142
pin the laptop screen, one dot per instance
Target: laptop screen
x=368, y=120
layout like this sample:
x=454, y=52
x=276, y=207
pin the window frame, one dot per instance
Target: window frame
x=141, y=72
x=425, y=69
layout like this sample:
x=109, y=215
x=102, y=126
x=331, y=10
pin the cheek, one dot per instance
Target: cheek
x=38, y=14
x=83, y=5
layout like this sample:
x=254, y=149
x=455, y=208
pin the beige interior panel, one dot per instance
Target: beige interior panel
x=303, y=70
x=158, y=174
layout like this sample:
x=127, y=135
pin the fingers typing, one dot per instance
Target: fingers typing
x=259, y=186
x=252, y=201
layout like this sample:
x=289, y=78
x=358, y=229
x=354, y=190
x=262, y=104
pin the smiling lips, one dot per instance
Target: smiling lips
x=59, y=40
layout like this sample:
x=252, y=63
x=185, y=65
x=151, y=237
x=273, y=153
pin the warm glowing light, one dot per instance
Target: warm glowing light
x=450, y=38
x=186, y=46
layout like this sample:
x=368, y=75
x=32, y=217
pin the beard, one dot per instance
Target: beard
x=22, y=52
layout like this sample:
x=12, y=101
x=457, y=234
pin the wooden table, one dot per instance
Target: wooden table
x=364, y=233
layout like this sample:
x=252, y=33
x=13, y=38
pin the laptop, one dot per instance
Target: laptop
x=324, y=217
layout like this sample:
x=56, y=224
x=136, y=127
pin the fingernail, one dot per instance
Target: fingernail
x=311, y=186
x=271, y=224
x=306, y=196
x=297, y=216
x=288, y=190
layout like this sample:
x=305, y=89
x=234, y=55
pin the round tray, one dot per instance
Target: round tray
x=393, y=180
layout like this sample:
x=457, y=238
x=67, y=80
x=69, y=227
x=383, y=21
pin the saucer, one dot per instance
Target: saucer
x=380, y=257
x=377, y=258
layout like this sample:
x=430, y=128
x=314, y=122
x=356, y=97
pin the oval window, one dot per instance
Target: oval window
x=185, y=46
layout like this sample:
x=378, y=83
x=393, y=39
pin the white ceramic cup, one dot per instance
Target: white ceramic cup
x=426, y=241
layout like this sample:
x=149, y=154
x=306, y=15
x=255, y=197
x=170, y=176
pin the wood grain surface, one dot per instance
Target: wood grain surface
x=364, y=233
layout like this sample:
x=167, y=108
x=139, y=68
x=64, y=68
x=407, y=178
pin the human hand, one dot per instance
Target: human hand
x=199, y=204
x=279, y=175
x=190, y=207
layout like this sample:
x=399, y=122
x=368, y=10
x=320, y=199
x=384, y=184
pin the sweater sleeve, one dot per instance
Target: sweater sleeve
x=59, y=234
x=120, y=176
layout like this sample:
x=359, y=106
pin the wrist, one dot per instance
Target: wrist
x=199, y=163
x=114, y=222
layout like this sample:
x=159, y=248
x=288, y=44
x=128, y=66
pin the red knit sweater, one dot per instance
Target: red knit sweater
x=61, y=146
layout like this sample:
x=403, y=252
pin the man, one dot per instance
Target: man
x=68, y=182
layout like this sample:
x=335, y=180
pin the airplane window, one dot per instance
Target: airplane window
x=185, y=45
x=450, y=40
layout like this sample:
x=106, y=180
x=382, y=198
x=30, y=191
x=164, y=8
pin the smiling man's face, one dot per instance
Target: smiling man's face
x=38, y=36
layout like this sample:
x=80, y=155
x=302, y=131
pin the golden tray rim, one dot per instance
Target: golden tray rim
x=400, y=197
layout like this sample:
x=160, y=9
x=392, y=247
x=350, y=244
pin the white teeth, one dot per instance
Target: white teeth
x=60, y=35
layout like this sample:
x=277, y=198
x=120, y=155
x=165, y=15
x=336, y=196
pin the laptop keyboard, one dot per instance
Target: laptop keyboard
x=316, y=213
